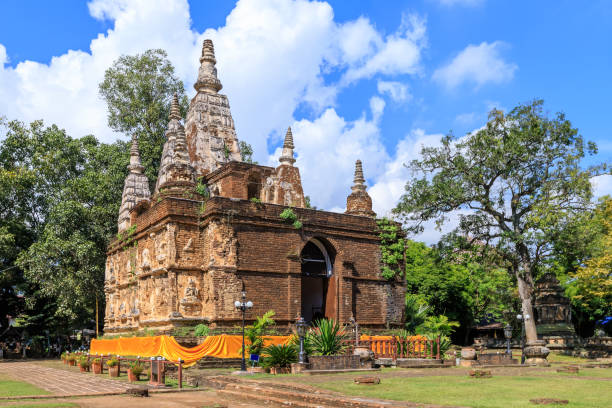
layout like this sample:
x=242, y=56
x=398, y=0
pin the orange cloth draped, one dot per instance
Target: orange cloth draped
x=222, y=346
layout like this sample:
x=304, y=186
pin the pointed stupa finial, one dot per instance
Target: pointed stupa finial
x=175, y=112
x=287, y=154
x=135, y=166
x=359, y=201
x=135, y=187
x=359, y=180
x=175, y=170
x=207, y=74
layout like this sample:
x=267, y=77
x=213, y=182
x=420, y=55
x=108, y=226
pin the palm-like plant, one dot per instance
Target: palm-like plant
x=281, y=355
x=255, y=332
x=438, y=326
x=328, y=337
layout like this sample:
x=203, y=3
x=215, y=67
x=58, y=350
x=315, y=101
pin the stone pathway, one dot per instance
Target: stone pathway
x=62, y=382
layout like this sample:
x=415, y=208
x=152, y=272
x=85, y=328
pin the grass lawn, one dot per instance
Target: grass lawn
x=496, y=392
x=9, y=387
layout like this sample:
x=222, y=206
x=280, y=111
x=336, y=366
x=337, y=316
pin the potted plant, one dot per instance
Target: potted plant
x=71, y=358
x=63, y=357
x=84, y=364
x=279, y=358
x=96, y=365
x=328, y=344
x=134, y=371
x=113, y=367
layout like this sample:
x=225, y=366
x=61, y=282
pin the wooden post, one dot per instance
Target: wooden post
x=431, y=354
x=180, y=374
x=97, y=332
x=438, y=348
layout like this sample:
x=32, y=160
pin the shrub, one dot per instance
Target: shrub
x=328, y=337
x=279, y=355
x=255, y=200
x=255, y=332
x=201, y=330
x=181, y=331
x=112, y=362
x=136, y=367
x=437, y=326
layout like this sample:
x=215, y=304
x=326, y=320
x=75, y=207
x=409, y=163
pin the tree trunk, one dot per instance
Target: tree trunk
x=525, y=289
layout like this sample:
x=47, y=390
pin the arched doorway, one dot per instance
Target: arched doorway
x=318, y=295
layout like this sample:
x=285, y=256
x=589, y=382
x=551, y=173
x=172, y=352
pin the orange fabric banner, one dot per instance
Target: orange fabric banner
x=222, y=346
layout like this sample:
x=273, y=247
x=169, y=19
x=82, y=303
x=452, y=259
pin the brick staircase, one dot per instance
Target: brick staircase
x=284, y=394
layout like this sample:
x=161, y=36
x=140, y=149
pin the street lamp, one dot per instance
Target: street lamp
x=520, y=319
x=301, y=330
x=243, y=306
x=508, y=335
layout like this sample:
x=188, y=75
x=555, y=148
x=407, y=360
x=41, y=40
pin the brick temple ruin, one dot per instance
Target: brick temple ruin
x=213, y=226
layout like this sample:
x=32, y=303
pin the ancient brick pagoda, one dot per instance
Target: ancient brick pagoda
x=213, y=227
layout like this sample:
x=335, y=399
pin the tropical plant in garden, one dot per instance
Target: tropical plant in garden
x=255, y=333
x=281, y=355
x=328, y=337
x=84, y=363
x=135, y=369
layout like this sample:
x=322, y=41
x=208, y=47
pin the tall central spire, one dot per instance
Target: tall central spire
x=211, y=137
x=207, y=74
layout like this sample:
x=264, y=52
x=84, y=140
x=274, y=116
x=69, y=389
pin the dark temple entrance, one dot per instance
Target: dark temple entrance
x=318, y=284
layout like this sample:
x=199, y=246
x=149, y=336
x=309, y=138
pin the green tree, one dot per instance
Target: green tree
x=519, y=178
x=138, y=92
x=246, y=152
x=59, y=200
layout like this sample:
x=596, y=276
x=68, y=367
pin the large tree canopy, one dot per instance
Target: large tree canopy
x=518, y=179
x=138, y=91
x=59, y=199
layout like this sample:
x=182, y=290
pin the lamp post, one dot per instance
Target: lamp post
x=520, y=319
x=243, y=306
x=508, y=335
x=301, y=329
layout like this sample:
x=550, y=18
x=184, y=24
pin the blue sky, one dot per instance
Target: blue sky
x=468, y=57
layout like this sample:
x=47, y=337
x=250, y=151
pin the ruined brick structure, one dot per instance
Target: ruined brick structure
x=213, y=226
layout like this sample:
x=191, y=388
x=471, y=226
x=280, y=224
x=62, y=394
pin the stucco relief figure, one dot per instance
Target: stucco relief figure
x=160, y=247
x=188, y=246
x=146, y=262
x=122, y=308
x=190, y=304
x=191, y=292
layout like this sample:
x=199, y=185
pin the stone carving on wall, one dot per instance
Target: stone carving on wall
x=188, y=246
x=190, y=303
x=146, y=262
x=160, y=247
x=223, y=243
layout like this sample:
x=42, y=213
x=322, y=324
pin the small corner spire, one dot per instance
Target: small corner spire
x=175, y=112
x=135, y=166
x=287, y=154
x=359, y=180
x=289, y=139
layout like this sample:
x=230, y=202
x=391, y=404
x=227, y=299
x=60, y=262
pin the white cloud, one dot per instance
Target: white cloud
x=389, y=185
x=327, y=148
x=602, y=185
x=477, y=64
x=271, y=55
x=400, y=53
x=397, y=91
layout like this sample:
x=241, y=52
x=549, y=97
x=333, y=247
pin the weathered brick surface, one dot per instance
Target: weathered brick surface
x=191, y=259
